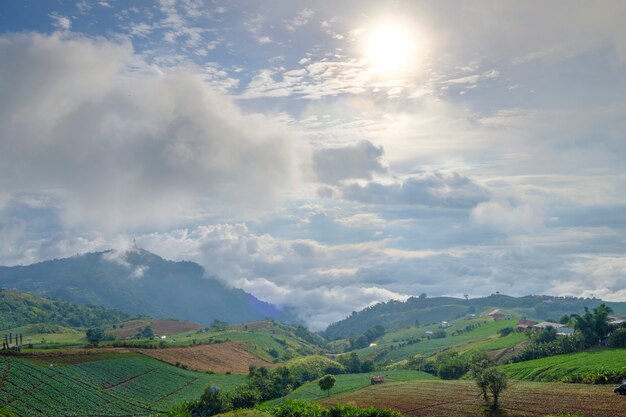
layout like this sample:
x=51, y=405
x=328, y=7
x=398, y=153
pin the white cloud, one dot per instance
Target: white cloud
x=300, y=19
x=511, y=217
x=61, y=22
x=126, y=148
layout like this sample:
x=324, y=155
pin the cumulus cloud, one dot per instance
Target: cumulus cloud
x=435, y=189
x=127, y=147
x=510, y=216
x=358, y=161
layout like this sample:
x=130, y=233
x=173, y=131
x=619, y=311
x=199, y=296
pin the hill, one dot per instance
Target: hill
x=113, y=384
x=396, y=314
x=21, y=309
x=139, y=282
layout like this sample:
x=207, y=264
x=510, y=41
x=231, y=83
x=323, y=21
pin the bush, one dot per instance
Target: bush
x=244, y=397
x=291, y=408
x=506, y=331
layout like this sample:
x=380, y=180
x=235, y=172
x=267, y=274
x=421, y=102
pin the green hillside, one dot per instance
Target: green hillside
x=480, y=334
x=104, y=384
x=141, y=283
x=19, y=309
x=598, y=366
x=349, y=383
x=395, y=314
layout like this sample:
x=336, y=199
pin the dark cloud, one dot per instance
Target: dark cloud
x=359, y=161
x=434, y=189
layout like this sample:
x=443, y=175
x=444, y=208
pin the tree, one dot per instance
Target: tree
x=492, y=381
x=326, y=383
x=95, y=335
x=593, y=326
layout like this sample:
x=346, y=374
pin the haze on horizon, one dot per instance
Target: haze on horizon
x=323, y=155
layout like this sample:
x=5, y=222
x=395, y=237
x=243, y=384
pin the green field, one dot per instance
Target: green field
x=349, y=383
x=110, y=384
x=45, y=336
x=486, y=334
x=575, y=367
x=277, y=338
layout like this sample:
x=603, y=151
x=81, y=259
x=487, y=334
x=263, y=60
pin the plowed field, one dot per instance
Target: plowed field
x=220, y=357
x=462, y=399
x=159, y=327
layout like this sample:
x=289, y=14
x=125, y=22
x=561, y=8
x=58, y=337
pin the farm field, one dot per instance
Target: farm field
x=462, y=399
x=262, y=342
x=347, y=383
x=109, y=384
x=567, y=367
x=219, y=357
x=159, y=327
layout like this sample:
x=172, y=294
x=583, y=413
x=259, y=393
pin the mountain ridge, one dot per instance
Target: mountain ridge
x=140, y=282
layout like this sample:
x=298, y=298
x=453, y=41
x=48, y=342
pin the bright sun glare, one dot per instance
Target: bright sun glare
x=390, y=47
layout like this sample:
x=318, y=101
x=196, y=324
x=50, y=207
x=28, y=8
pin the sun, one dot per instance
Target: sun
x=390, y=47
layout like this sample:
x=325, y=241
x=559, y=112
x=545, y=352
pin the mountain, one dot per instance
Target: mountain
x=396, y=314
x=139, y=282
x=19, y=309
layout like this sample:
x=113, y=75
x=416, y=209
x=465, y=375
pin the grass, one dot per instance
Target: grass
x=59, y=338
x=574, y=367
x=347, y=383
x=486, y=333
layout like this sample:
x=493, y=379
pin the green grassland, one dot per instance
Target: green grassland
x=575, y=367
x=45, y=336
x=278, y=338
x=347, y=383
x=110, y=384
x=397, y=345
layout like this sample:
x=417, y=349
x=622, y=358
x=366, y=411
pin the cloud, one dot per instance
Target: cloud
x=510, y=216
x=360, y=160
x=60, y=22
x=300, y=19
x=435, y=189
x=86, y=120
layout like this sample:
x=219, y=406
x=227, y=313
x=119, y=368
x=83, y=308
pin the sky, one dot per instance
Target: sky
x=323, y=155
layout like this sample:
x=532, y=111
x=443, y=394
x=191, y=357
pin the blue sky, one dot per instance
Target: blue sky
x=327, y=155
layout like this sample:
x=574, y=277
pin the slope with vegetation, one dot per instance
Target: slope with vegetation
x=399, y=314
x=20, y=309
x=139, y=282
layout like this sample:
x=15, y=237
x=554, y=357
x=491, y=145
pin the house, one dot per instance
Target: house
x=496, y=314
x=564, y=331
x=428, y=333
x=524, y=325
x=377, y=380
x=444, y=324
x=546, y=324
x=616, y=319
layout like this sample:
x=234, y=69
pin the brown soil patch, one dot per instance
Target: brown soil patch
x=461, y=399
x=159, y=327
x=220, y=357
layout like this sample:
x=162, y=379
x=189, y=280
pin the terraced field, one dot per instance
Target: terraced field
x=104, y=385
x=573, y=367
x=462, y=399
